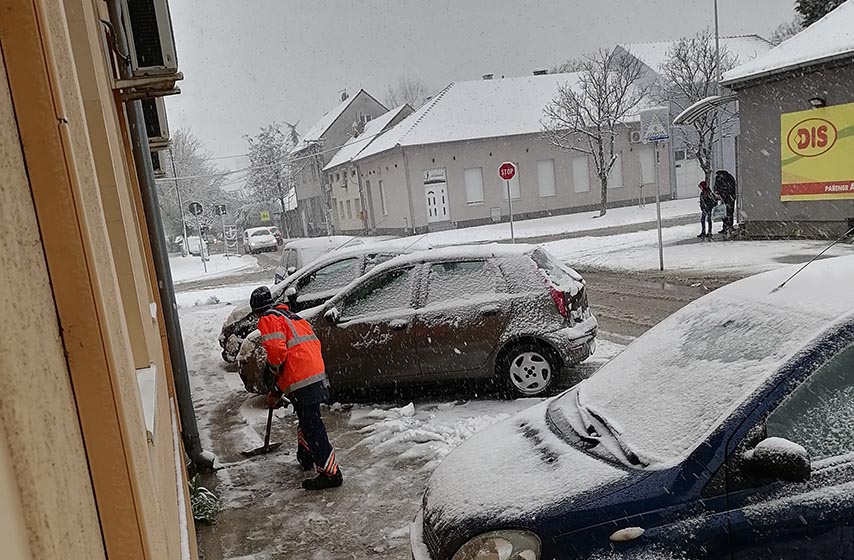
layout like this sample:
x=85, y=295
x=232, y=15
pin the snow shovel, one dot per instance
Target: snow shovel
x=267, y=447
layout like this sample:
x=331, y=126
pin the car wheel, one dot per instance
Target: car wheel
x=529, y=369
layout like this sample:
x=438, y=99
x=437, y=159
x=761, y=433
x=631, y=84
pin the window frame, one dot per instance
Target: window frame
x=473, y=201
x=489, y=264
x=551, y=163
x=301, y=283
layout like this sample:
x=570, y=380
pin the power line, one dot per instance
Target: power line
x=286, y=160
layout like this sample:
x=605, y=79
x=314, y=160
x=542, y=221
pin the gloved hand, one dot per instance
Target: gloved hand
x=275, y=400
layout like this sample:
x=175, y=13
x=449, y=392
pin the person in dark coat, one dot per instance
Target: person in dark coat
x=725, y=189
x=708, y=201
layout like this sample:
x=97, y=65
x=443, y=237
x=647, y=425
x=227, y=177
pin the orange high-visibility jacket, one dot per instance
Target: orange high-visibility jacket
x=290, y=342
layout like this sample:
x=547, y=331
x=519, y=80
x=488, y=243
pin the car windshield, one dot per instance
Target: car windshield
x=310, y=254
x=666, y=391
x=260, y=233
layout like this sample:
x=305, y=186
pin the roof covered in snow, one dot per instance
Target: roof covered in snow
x=655, y=54
x=358, y=143
x=830, y=38
x=476, y=109
x=317, y=131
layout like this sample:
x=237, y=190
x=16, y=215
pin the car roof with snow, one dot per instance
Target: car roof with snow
x=315, y=242
x=254, y=229
x=460, y=252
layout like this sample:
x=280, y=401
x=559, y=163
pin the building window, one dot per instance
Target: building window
x=474, y=185
x=353, y=172
x=349, y=211
x=615, y=177
x=383, y=207
x=335, y=207
x=358, y=203
x=337, y=176
x=581, y=174
x=341, y=210
x=515, y=191
x=546, y=177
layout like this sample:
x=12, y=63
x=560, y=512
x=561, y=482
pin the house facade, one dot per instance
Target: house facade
x=797, y=106
x=438, y=168
x=316, y=149
x=686, y=172
x=351, y=201
x=92, y=462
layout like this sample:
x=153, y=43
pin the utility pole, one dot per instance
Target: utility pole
x=718, y=129
x=184, y=246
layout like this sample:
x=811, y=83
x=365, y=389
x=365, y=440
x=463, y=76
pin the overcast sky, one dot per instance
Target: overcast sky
x=247, y=63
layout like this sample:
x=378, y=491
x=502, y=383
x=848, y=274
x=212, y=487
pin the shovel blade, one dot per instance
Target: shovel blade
x=263, y=450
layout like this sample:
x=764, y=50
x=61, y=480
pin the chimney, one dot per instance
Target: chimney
x=540, y=72
x=487, y=76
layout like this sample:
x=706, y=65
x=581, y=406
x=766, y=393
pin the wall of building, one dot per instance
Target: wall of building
x=488, y=154
x=48, y=508
x=761, y=211
x=348, y=200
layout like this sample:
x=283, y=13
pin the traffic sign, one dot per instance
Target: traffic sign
x=654, y=124
x=195, y=208
x=265, y=216
x=219, y=209
x=507, y=171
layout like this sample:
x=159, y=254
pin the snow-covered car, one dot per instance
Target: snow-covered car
x=312, y=285
x=258, y=239
x=299, y=253
x=509, y=314
x=723, y=432
x=195, y=245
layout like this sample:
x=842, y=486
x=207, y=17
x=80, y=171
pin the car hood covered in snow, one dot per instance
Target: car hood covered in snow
x=510, y=476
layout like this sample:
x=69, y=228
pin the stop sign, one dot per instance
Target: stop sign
x=507, y=171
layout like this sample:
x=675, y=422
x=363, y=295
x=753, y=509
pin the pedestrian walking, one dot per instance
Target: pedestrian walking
x=296, y=364
x=708, y=201
x=725, y=188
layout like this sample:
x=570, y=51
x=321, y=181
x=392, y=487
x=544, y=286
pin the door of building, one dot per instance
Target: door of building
x=688, y=175
x=436, y=195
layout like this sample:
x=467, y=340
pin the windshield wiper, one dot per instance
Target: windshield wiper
x=630, y=455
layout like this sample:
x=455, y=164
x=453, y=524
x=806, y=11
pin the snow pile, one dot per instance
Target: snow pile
x=213, y=296
x=830, y=37
x=427, y=436
x=187, y=269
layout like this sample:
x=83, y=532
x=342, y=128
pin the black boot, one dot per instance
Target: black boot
x=324, y=481
x=304, y=458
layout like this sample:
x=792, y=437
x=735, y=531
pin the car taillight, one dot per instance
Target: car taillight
x=559, y=299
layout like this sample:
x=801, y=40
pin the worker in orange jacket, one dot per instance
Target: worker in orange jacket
x=296, y=363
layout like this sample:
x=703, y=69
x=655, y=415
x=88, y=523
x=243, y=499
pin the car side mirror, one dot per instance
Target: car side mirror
x=291, y=293
x=292, y=269
x=780, y=459
x=332, y=315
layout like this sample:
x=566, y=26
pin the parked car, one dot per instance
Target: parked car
x=258, y=239
x=723, y=432
x=195, y=245
x=511, y=314
x=301, y=252
x=311, y=286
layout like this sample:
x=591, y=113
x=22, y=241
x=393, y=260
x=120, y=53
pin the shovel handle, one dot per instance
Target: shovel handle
x=269, y=425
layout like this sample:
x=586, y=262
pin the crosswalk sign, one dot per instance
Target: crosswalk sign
x=655, y=124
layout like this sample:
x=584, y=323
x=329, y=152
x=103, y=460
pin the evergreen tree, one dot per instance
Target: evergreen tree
x=814, y=10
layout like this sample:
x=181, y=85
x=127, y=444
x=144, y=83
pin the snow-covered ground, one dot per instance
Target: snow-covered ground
x=236, y=293
x=189, y=268
x=569, y=223
x=683, y=252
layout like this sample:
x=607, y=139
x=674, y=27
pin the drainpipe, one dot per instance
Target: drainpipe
x=408, y=188
x=201, y=459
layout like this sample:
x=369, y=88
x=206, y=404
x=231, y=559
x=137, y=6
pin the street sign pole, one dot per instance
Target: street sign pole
x=224, y=242
x=201, y=244
x=658, y=208
x=510, y=204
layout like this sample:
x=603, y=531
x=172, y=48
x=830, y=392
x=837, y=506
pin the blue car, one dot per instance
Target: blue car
x=727, y=431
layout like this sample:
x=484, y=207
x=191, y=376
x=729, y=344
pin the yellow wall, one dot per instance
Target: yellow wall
x=40, y=440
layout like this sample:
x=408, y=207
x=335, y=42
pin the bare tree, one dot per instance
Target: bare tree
x=571, y=65
x=587, y=116
x=198, y=179
x=786, y=30
x=410, y=90
x=690, y=74
x=271, y=172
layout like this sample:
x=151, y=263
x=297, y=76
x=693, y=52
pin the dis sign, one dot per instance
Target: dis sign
x=812, y=137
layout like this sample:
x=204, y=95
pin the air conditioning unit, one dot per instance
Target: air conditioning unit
x=151, y=41
x=635, y=137
x=156, y=125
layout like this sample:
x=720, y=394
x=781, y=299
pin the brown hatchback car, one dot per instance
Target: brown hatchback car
x=510, y=313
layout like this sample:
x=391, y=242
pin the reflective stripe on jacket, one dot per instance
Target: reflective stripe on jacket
x=292, y=349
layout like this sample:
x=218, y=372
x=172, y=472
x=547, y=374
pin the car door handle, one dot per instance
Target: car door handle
x=398, y=324
x=490, y=310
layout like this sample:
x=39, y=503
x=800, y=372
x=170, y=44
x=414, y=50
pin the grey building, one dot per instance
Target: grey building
x=811, y=74
x=314, y=151
x=686, y=172
x=438, y=168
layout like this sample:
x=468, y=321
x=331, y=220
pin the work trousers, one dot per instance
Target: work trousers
x=311, y=433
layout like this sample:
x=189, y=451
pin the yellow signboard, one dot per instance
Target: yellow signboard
x=816, y=148
x=265, y=216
